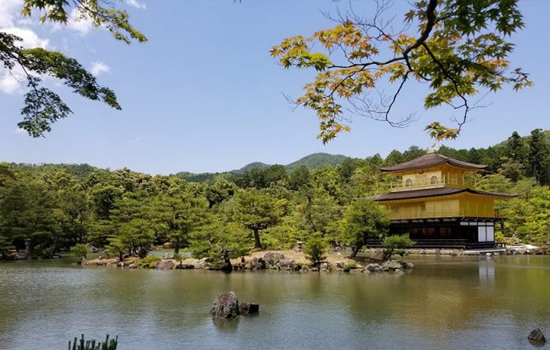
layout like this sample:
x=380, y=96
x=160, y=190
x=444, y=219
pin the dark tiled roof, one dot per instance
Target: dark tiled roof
x=430, y=160
x=433, y=192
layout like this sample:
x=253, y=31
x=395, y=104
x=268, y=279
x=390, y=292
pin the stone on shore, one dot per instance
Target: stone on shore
x=391, y=265
x=272, y=259
x=166, y=264
x=536, y=336
x=286, y=264
x=374, y=268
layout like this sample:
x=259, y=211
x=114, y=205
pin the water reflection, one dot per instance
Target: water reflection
x=226, y=326
x=451, y=303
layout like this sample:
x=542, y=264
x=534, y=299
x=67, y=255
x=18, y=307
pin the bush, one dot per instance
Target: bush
x=351, y=265
x=80, y=250
x=178, y=257
x=148, y=261
x=315, y=250
x=109, y=344
x=396, y=243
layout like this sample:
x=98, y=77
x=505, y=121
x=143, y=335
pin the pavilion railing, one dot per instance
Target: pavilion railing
x=429, y=183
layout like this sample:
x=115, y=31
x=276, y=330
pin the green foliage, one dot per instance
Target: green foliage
x=5, y=246
x=315, y=249
x=148, y=260
x=80, y=250
x=363, y=219
x=57, y=207
x=350, y=265
x=44, y=107
x=109, y=344
x=220, y=242
x=445, y=44
x=255, y=211
x=396, y=243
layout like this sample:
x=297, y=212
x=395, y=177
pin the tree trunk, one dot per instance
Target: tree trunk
x=354, y=252
x=387, y=254
x=177, y=246
x=257, y=243
x=228, y=267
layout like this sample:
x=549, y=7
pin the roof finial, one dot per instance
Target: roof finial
x=432, y=149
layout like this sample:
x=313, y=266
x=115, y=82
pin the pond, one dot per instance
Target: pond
x=444, y=303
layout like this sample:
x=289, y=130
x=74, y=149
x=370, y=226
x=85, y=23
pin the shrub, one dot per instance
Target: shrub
x=109, y=344
x=148, y=261
x=396, y=243
x=315, y=250
x=350, y=265
x=80, y=250
x=178, y=257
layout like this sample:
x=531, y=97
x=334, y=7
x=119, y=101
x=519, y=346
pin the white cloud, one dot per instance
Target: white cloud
x=11, y=81
x=9, y=84
x=9, y=11
x=79, y=24
x=136, y=4
x=19, y=131
x=99, y=68
x=30, y=39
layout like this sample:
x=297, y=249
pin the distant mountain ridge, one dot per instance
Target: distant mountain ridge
x=311, y=161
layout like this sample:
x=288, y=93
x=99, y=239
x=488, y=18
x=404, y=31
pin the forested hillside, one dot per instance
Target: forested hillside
x=55, y=207
x=313, y=161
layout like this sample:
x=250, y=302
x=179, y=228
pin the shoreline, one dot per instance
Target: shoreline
x=279, y=260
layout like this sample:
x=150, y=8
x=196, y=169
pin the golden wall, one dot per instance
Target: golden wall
x=442, y=207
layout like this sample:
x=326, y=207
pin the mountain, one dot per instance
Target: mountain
x=248, y=167
x=312, y=161
x=317, y=160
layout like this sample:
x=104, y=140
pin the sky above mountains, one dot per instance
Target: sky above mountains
x=203, y=95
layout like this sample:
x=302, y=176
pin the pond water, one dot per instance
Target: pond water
x=445, y=303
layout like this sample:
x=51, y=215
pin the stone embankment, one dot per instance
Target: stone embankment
x=509, y=250
x=265, y=260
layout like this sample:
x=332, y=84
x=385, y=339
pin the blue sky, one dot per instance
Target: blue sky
x=204, y=95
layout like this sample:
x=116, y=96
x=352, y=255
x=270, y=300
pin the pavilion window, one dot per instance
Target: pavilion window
x=433, y=180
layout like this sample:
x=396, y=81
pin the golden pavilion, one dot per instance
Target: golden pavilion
x=434, y=205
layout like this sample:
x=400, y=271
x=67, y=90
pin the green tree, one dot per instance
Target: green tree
x=179, y=213
x=5, y=246
x=29, y=211
x=299, y=178
x=363, y=219
x=445, y=44
x=396, y=243
x=516, y=149
x=42, y=105
x=131, y=226
x=316, y=249
x=220, y=191
x=539, y=157
x=80, y=250
x=220, y=241
x=256, y=211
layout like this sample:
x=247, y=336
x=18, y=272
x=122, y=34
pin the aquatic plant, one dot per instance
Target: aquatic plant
x=82, y=344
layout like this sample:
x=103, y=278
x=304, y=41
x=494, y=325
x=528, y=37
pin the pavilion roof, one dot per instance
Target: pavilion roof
x=434, y=192
x=430, y=160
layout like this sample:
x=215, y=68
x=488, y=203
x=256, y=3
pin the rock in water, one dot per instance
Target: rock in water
x=536, y=336
x=226, y=305
x=249, y=308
